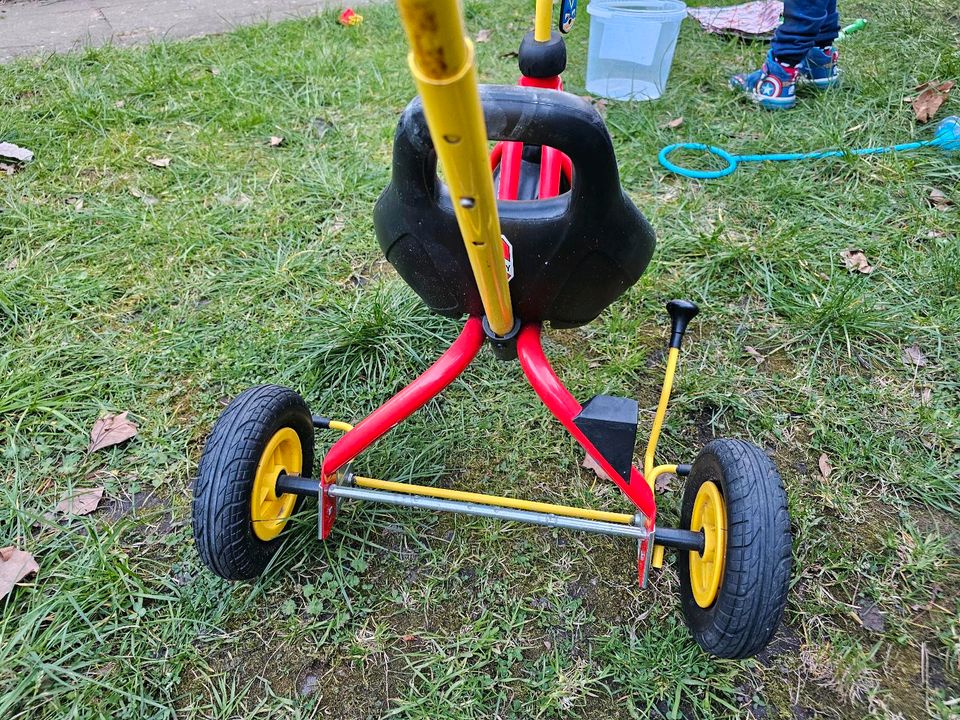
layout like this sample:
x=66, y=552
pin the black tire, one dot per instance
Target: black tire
x=222, y=525
x=753, y=588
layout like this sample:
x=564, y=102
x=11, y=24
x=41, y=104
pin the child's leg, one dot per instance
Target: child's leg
x=774, y=85
x=802, y=22
x=820, y=64
x=830, y=27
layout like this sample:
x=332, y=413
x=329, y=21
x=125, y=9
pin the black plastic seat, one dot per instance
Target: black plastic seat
x=573, y=254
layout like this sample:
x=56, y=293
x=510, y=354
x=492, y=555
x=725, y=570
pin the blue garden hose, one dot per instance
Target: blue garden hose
x=947, y=138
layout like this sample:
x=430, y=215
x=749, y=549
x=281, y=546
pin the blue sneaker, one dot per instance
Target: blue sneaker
x=820, y=68
x=773, y=86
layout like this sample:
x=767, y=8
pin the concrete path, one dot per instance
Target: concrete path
x=35, y=27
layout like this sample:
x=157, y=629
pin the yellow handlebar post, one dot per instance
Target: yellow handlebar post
x=648, y=468
x=542, y=25
x=442, y=63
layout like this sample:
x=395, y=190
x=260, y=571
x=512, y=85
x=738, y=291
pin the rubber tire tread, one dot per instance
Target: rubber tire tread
x=222, y=526
x=756, y=577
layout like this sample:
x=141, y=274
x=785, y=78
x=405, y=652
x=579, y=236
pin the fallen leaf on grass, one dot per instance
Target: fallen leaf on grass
x=938, y=199
x=662, y=483
x=856, y=261
x=119, y=104
x=675, y=123
x=12, y=264
x=83, y=501
x=825, y=467
x=111, y=430
x=321, y=126
x=241, y=200
x=276, y=141
x=870, y=616
x=931, y=234
x=755, y=354
x=145, y=198
x=15, y=152
x=7, y=169
x=914, y=356
x=15, y=565
x=590, y=464
x=925, y=396
x=483, y=36
x=929, y=100
x=601, y=105
x=160, y=162
x=214, y=71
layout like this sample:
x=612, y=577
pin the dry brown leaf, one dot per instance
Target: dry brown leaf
x=601, y=105
x=825, y=467
x=145, y=198
x=856, y=261
x=321, y=126
x=119, y=104
x=276, y=141
x=929, y=100
x=755, y=354
x=939, y=200
x=12, y=264
x=15, y=152
x=914, y=356
x=82, y=501
x=662, y=483
x=925, y=396
x=483, y=36
x=160, y=162
x=111, y=430
x=15, y=565
x=870, y=615
x=675, y=123
x=590, y=464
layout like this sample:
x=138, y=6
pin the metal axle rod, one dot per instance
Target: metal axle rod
x=488, y=511
x=670, y=537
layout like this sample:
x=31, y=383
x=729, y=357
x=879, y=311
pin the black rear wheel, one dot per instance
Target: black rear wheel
x=237, y=516
x=734, y=593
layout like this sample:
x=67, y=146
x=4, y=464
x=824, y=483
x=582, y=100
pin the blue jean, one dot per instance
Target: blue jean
x=805, y=23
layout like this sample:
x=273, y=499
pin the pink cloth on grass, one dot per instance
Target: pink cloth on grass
x=753, y=19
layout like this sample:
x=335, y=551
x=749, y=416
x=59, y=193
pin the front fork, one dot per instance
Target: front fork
x=336, y=474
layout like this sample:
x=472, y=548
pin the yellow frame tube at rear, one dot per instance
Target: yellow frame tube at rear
x=497, y=500
x=442, y=63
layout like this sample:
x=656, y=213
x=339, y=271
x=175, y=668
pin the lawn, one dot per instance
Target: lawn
x=165, y=291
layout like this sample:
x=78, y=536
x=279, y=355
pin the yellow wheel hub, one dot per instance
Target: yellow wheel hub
x=283, y=455
x=706, y=570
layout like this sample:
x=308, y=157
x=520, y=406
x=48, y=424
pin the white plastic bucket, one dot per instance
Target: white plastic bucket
x=631, y=47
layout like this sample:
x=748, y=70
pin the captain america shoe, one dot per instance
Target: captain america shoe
x=820, y=68
x=773, y=86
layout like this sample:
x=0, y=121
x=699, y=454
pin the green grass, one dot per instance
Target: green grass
x=166, y=291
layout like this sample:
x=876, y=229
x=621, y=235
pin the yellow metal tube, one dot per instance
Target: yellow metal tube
x=658, y=471
x=481, y=499
x=661, y=413
x=544, y=21
x=442, y=63
x=436, y=33
x=341, y=426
